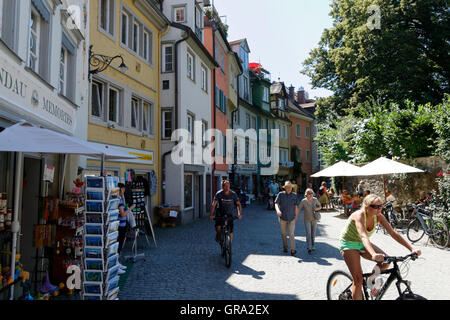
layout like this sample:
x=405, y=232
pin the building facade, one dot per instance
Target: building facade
x=300, y=139
x=124, y=105
x=186, y=97
x=215, y=40
x=246, y=167
x=34, y=34
x=278, y=102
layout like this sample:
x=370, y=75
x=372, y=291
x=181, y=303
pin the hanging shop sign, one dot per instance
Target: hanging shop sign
x=22, y=90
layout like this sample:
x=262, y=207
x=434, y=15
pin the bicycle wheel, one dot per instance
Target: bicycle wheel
x=227, y=251
x=411, y=296
x=415, y=231
x=339, y=286
x=439, y=233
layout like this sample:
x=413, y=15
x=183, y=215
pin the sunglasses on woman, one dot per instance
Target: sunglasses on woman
x=376, y=206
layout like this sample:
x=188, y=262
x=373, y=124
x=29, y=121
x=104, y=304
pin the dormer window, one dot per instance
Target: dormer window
x=179, y=14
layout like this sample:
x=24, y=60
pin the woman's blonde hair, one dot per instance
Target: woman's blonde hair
x=369, y=199
x=309, y=190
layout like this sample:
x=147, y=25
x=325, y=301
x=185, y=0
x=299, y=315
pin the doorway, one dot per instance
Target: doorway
x=30, y=214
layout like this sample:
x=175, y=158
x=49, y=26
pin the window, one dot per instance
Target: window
x=280, y=102
x=135, y=113
x=307, y=132
x=190, y=126
x=236, y=116
x=167, y=56
x=254, y=123
x=188, y=191
x=166, y=124
x=97, y=99
x=297, y=128
x=166, y=84
x=179, y=14
x=204, y=127
x=113, y=111
x=147, y=118
x=190, y=66
x=136, y=31
x=308, y=156
x=266, y=94
x=299, y=155
x=247, y=121
x=62, y=71
x=106, y=16
x=284, y=155
x=204, y=79
x=35, y=29
x=198, y=17
x=246, y=96
x=8, y=21
x=146, y=46
x=125, y=28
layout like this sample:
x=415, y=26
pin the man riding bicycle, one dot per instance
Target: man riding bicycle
x=227, y=201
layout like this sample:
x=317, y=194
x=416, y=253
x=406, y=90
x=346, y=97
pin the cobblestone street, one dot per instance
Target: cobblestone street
x=187, y=263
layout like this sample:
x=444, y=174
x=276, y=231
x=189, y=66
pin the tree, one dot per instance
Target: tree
x=407, y=58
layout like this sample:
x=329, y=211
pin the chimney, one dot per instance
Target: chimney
x=292, y=93
x=301, y=96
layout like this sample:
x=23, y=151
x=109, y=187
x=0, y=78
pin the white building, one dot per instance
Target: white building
x=186, y=98
x=43, y=80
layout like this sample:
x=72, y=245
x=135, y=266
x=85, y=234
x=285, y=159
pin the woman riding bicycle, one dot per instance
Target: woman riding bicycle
x=355, y=240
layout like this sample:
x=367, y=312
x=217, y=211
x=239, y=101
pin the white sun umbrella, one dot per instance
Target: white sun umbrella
x=339, y=169
x=383, y=166
x=24, y=137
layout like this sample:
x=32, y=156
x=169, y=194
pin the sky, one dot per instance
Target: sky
x=280, y=34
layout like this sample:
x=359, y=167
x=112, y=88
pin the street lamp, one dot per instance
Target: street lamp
x=101, y=63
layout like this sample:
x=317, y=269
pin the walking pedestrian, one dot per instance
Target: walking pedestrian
x=310, y=204
x=124, y=211
x=286, y=206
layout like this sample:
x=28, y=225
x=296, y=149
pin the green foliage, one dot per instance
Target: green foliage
x=442, y=127
x=406, y=59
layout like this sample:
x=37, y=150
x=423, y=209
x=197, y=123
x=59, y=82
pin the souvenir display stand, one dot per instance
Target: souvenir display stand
x=135, y=194
x=100, y=273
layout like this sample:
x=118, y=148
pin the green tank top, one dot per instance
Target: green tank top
x=351, y=234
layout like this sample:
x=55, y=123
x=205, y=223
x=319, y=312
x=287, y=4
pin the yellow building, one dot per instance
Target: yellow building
x=124, y=105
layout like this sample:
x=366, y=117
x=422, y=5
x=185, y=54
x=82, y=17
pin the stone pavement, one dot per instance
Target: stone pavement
x=187, y=263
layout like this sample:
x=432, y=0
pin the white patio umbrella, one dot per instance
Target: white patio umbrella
x=339, y=169
x=383, y=166
x=24, y=137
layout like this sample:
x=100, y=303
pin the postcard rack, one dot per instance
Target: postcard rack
x=100, y=273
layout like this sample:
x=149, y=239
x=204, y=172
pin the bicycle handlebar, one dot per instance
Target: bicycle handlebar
x=412, y=256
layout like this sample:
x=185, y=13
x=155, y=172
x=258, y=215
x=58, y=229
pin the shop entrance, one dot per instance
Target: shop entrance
x=30, y=215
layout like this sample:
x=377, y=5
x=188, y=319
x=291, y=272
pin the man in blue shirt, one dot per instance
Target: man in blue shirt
x=287, y=207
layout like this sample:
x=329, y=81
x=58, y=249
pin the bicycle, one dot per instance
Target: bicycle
x=225, y=239
x=393, y=217
x=423, y=223
x=339, y=284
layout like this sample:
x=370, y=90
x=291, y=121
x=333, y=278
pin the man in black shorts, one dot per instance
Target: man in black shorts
x=226, y=200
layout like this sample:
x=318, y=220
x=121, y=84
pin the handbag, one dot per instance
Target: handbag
x=317, y=215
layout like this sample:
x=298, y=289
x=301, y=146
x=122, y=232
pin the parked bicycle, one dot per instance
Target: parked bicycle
x=392, y=216
x=225, y=239
x=339, y=284
x=424, y=223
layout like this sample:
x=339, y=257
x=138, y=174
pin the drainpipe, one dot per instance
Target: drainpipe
x=176, y=115
x=233, y=166
x=214, y=29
